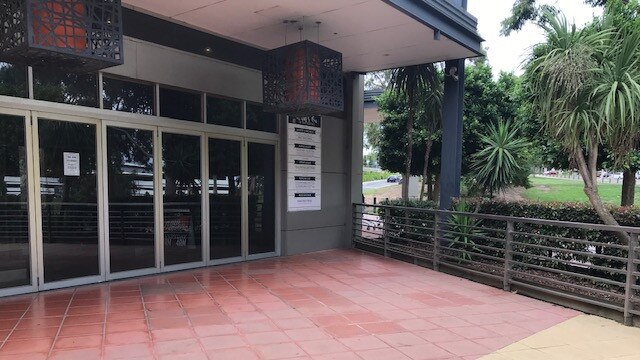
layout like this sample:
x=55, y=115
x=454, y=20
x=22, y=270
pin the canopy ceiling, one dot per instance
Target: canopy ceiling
x=371, y=34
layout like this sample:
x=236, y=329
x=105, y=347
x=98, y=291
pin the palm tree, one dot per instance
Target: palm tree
x=433, y=117
x=564, y=72
x=617, y=95
x=499, y=163
x=413, y=82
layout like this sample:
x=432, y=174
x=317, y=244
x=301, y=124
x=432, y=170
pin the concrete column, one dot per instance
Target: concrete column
x=355, y=115
x=452, y=111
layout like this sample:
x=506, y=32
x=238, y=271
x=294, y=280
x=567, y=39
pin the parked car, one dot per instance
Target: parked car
x=617, y=176
x=603, y=174
x=394, y=179
x=551, y=172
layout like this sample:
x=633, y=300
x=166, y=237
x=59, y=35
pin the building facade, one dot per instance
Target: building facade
x=169, y=161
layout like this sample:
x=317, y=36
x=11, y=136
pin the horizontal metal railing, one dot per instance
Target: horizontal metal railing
x=589, y=263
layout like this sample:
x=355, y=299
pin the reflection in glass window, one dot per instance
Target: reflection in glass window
x=262, y=198
x=260, y=120
x=51, y=84
x=69, y=195
x=15, y=265
x=13, y=80
x=225, y=200
x=224, y=112
x=131, y=210
x=121, y=95
x=180, y=105
x=182, y=186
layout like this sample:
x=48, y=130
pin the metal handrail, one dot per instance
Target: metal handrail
x=603, y=273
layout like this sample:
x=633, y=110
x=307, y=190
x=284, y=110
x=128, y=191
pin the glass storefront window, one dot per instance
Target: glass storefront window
x=15, y=264
x=180, y=105
x=262, y=199
x=225, y=199
x=127, y=96
x=68, y=88
x=13, y=80
x=260, y=120
x=68, y=191
x=182, y=187
x=224, y=112
x=131, y=207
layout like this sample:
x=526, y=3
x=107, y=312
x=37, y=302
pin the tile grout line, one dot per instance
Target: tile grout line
x=104, y=326
x=64, y=317
x=6, y=338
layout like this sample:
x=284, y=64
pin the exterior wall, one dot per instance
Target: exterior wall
x=156, y=63
x=319, y=230
x=341, y=181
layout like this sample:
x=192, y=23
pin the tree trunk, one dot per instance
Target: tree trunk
x=425, y=168
x=430, y=188
x=436, y=188
x=588, y=173
x=628, y=188
x=409, y=153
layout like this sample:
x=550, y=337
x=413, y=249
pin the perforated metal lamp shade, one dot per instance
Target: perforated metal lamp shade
x=80, y=35
x=304, y=78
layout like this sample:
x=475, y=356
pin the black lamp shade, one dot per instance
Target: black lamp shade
x=303, y=79
x=80, y=35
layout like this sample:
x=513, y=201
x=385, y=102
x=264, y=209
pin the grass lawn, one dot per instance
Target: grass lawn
x=564, y=190
x=375, y=175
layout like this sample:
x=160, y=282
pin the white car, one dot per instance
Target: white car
x=617, y=176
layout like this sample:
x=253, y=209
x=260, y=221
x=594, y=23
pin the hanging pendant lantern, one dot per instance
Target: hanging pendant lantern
x=303, y=79
x=79, y=35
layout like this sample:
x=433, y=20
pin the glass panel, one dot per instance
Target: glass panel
x=180, y=105
x=15, y=264
x=51, y=84
x=68, y=184
x=225, y=199
x=182, y=190
x=262, y=198
x=127, y=96
x=13, y=80
x=224, y=112
x=260, y=120
x=131, y=211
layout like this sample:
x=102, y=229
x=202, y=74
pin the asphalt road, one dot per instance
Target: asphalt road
x=378, y=184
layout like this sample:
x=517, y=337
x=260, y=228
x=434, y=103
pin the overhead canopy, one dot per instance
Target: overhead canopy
x=371, y=34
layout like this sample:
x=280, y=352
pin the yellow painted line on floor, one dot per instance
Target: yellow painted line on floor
x=584, y=337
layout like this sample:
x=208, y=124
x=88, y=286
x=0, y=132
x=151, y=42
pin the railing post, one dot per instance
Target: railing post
x=508, y=256
x=631, y=268
x=385, y=237
x=436, y=243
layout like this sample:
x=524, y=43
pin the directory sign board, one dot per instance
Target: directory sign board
x=304, y=170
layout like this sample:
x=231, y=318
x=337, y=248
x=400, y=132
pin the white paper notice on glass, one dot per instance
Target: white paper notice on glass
x=71, y=164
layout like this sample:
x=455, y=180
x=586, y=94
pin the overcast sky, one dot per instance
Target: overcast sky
x=508, y=53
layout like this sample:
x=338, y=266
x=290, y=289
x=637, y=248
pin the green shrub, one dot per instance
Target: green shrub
x=420, y=229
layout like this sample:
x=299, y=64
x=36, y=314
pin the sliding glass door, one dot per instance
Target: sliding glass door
x=261, y=189
x=69, y=206
x=225, y=199
x=16, y=243
x=182, y=198
x=131, y=197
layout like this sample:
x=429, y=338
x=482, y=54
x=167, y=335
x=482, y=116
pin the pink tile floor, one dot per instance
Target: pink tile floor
x=339, y=304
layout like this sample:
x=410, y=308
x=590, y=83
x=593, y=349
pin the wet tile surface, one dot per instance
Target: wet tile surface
x=339, y=304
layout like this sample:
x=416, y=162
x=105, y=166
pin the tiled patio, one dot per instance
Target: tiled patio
x=340, y=304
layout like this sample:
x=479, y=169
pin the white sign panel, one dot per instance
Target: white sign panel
x=304, y=155
x=71, y=164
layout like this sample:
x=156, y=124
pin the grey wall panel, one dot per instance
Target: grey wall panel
x=333, y=145
x=309, y=240
x=333, y=206
x=156, y=63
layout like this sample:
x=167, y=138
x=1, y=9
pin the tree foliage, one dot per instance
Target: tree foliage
x=502, y=160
